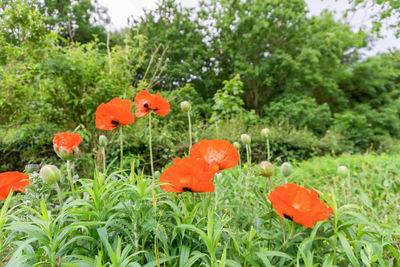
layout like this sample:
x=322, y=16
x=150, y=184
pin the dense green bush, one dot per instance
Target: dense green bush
x=299, y=111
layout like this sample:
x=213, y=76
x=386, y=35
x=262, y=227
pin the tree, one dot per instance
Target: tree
x=187, y=58
x=76, y=20
x=276, y=48
x=388, y=13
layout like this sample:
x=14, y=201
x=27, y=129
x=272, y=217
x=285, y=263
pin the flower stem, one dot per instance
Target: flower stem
x=152, y=168
x=70, y=176
x=103, y=151
x=248, y=165
x=122, y=147
x=59, y=195
x=190, y=131
x=150, y=147
x=268, y=150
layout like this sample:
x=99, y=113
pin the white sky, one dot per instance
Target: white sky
x=121, y=10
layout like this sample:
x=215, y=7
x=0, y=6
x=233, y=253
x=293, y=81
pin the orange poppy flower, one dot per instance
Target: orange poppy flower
x=15, y=181
x=188, y=175
x=117, y=111
x=144, y=102
x=298, y=204
x=66, y=141
x=219, y=154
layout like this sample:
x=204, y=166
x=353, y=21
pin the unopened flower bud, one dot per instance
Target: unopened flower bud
x=236, y=145
x=186, y=106
x=286, y=169
x=157, y=175
x=266, y=169
x=246, y=139
x=342, y=171
x=103, y=141
x=265, y=132
x=50, y=174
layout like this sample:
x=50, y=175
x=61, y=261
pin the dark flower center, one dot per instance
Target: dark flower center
x=146, y=105
x=187, y=189
x=115, y=123
x=288, y=217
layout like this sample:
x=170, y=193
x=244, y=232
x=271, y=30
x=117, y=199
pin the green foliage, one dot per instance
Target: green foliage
x=187, y=57
x=228, y=104
x=302, y=112
x=277, y=49
x=112, y=220
x=386, y=13
x=287, y=142
x=355, y=127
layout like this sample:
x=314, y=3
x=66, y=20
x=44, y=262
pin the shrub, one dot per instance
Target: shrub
x=299, y=111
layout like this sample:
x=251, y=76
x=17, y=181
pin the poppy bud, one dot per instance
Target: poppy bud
x=103, y=141
x=265, y=132
x=32, y=168
x=50, y=174
x=342, y=171
x=246, y=139
x=286, y=169
x=266, y=169
x=186, y=106
x=157, y=175
x=236, y=145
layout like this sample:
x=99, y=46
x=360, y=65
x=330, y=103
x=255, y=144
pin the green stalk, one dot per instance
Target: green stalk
x=103, y=151
x=122, y=147
x=190, y=131
x=268, y=150
x=59, y=195
x=152, y=168
x=70, y=176
x=151, y=150
x=248, y=165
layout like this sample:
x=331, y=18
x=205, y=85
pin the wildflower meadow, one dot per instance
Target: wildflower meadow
x=112, y=156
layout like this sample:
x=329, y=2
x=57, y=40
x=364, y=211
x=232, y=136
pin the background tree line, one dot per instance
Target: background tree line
x=267, y=62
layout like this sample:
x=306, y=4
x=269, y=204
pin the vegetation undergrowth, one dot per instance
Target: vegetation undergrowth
x=111, y=220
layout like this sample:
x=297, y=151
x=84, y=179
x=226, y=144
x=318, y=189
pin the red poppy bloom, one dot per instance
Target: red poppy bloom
x=145, y=102
x=15, y=181
x=188, y=175
x=66, y=141
x=117, y=111
x=298, y=204
x=219, y=154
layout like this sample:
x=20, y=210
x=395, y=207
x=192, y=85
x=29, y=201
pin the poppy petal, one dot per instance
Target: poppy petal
x=144, y=102
x=296, y=203
x=116, y=111
x=187, y=175
x=67, y=141
x=161, y=106
x=216, y=151
x=15, y=181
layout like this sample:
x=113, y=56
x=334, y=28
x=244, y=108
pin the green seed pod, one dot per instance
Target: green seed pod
x=266, y=169
x=186, y=106
x=246, y=139
x=236, y=145
x=50, y=174
x=286, y=169
x=342, y=171
x=265, y=132
x=103, y=141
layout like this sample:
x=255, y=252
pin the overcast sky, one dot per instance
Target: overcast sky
x=120, y=10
